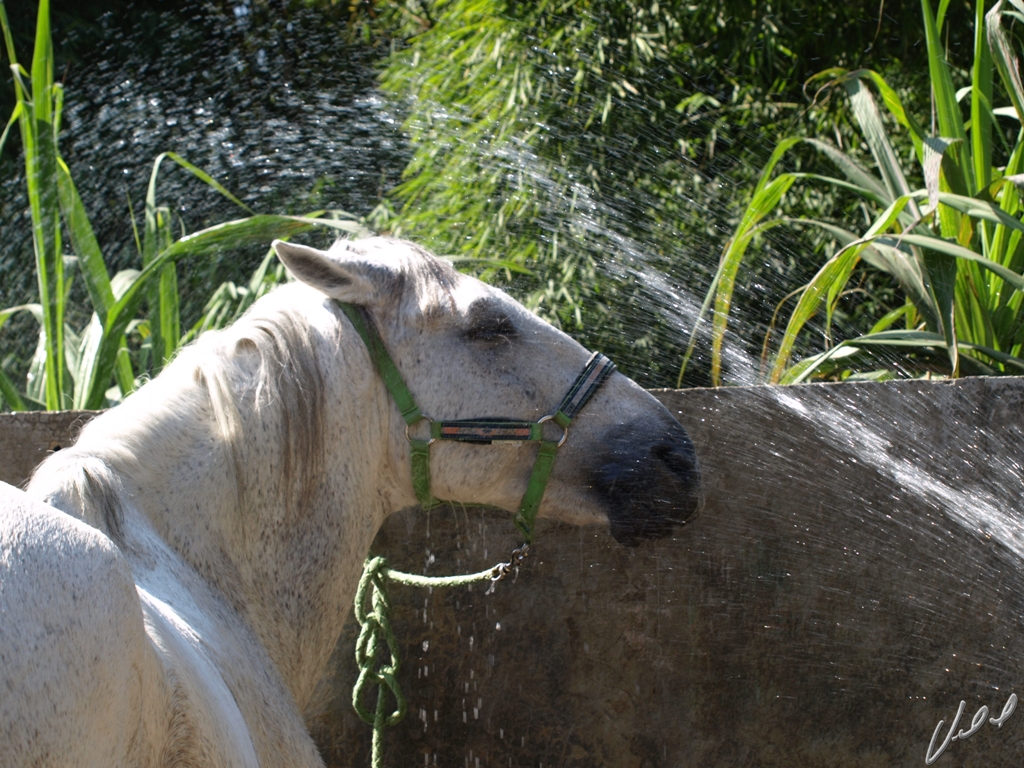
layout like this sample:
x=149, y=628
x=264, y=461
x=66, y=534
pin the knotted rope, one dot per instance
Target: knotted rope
x=377, y=654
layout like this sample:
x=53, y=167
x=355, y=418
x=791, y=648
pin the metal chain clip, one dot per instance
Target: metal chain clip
x=501, y=570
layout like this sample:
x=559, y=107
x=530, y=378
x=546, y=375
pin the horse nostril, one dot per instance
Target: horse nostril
x=680, y=460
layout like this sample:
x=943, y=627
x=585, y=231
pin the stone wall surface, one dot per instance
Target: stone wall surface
x=27, y=438
x=856, y=574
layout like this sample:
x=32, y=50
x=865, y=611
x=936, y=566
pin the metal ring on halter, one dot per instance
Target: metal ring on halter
x=565, y=430
x=422, y=418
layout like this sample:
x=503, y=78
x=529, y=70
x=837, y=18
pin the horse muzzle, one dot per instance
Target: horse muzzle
x=648, y=480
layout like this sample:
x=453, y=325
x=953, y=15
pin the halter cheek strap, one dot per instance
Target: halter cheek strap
x=481, y=431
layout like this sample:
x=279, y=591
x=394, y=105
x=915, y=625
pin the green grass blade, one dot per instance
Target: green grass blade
x=981, y=209
x=135, y=226
x=261, y=228
x=40, y=151
x=908, y=340
x=150, y=246
x=15, y=115
x=869, y=193
x=8, y=390
x=35, y=384
x=764, y=202
x=88, y=349
x=836, y=272
x=855, y=172
x=1005, y=59
x=895, y=106
x=981, y=100
x=1006, y=247
x=827, y=284
x=9, y=393
x=901, y=265
x=42, y=65
x=909, y=271
x=156, y=237
x=767, y=195
x=83, y=239
x=887, y=320
x=5, y=26
x=870, y=121
x=941, y=274
x=164, y=294
x=951, y=123
x=203, y=176
x=958, y=251
x=844, y=236
x=935, y=149
x=43, y=202
x=801, y=371
x=123, y=370
x=170, y=319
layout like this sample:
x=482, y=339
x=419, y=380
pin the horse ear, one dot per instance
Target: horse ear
x=339, y=280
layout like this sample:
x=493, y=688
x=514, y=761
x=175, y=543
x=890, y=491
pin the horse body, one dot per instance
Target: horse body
x=210, y=530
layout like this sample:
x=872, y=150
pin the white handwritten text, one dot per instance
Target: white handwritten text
x=976, y=722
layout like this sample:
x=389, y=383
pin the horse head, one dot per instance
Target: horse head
x=466, y=351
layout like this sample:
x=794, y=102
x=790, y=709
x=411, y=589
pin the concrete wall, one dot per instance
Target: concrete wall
x=27, y=438
x=856, y=573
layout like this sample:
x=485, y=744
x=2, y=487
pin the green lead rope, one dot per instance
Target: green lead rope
x=377, y=655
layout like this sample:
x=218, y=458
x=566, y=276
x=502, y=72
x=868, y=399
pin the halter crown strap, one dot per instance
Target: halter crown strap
x=590, y=379
x=419, y=450
x=384, y=364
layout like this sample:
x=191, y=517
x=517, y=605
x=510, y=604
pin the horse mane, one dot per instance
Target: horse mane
x=287, y=373
x=267, y=359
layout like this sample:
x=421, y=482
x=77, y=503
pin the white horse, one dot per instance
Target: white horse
x=172, y=586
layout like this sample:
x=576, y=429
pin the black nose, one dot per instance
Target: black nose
x=648, y=480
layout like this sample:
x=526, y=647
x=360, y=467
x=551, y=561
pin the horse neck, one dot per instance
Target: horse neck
x=282, y=545
x=309, y=506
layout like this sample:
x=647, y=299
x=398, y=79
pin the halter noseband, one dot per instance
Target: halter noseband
x=590, y=379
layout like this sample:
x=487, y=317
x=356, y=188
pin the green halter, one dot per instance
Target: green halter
x=482, y=431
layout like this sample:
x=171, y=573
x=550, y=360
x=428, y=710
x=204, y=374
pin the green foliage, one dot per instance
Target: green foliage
x=74, y=369
x=953, y=247
x=592, y=142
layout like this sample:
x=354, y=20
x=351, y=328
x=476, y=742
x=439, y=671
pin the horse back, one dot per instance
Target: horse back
x=75, y=661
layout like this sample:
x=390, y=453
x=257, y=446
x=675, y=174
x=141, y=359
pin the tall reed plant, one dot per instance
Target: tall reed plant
x=75, y=369
x=954, y=247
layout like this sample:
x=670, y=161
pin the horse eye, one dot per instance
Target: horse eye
x=492, y=328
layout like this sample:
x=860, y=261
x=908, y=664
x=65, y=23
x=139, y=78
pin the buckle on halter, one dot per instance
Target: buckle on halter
x=565, y=430
x=429, y=421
